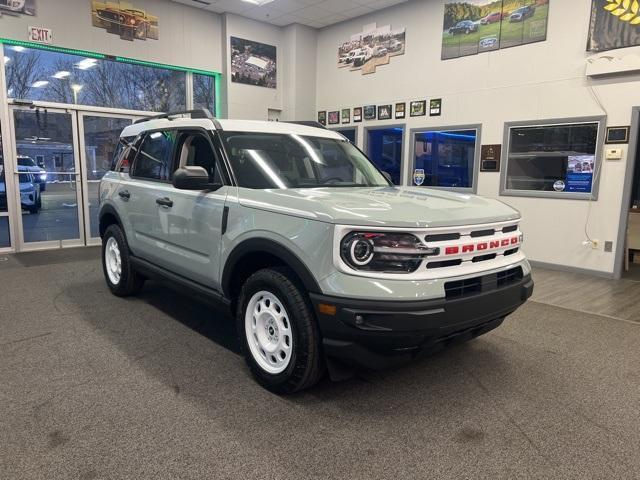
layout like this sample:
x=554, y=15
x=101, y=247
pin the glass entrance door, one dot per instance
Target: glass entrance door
x=61, y=156
x=47, y=178
x=99, y=134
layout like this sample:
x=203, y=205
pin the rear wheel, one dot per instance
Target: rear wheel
x=121, y=278
x=278, y=332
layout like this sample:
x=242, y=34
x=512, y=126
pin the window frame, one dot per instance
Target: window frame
x=599, y=160
x=365, y=148
x=132, y=168
x=452, y=128
x=221, y=163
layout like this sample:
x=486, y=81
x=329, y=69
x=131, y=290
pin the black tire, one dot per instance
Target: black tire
x=131, y=282
x=306, y=366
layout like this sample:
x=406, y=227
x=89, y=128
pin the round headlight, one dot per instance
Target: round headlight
x=361, y=251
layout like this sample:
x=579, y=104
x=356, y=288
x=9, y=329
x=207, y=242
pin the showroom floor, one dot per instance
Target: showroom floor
x=92, y=386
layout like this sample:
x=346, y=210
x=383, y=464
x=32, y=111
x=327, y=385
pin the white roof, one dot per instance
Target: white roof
x=231, y=126
x=257, y=62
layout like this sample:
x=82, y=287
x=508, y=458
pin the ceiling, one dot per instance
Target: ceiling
x=314, y=13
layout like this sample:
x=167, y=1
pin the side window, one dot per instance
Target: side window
x=155, y=159
x=124, y=153
x=196, y=151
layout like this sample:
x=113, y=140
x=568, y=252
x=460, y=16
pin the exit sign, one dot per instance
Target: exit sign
x=40, y=35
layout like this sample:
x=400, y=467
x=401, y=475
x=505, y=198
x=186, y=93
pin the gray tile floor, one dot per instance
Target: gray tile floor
x=95, y=387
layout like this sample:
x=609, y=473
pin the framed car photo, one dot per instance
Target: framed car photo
x=384, y=112
x=401, y=110
x=322, y=118
x=418, y=108
x=370, y=112
x=357, y=114
x=334, y=118
x=346, y=115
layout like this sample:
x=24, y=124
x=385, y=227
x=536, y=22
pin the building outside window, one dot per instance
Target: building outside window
x=445, y=158
x=559, y=159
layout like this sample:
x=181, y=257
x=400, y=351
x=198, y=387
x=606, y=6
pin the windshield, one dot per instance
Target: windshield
x=26, y=162
x=273, y=160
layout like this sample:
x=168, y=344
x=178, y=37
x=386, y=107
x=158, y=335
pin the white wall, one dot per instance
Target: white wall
x=533, y=82
x=188, y=37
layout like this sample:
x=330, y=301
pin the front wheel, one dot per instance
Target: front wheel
x=121, y=278
x=278, y=332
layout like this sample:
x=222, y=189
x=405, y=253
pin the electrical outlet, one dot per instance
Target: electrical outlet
x=595, y=244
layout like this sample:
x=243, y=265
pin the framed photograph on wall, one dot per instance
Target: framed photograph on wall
x=370, y=112
x=418, y=108
x=435, y=107
x=357, y=114
x=334, y=118
x=253, y=63
x=401, y=110
x=322, y=118
x=384, y=112
x=346, y=115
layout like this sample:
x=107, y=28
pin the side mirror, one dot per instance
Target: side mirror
x=387, y=175
x=192, y=178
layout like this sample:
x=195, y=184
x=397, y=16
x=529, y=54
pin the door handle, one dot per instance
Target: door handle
x=124, y=194
x=165, y=202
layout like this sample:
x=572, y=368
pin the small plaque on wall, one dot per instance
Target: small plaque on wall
x=617, y=135
x=490, y=158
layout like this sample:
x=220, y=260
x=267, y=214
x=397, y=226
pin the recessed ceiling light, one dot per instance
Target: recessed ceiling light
x=61, y=74
x=258, y=2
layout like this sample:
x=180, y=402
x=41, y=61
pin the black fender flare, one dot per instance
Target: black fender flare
x=272, y=247
x=107, y=209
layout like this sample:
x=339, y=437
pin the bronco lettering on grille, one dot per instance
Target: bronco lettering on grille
x=482, y=246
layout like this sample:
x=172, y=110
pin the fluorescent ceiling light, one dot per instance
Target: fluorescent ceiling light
x=61, y=74
x=258, y=2
x=87, y=63
x=40, y=83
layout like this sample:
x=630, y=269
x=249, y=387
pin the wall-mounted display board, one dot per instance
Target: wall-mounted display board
x=322, y=118
x=418, y=108
x=357, y=114
x=384, y=112
x=372, y=47
x=253, y=63
x=614, y=24
x=401, y=110
x=125, y=20
x=370, y=112
x=476, y=26
x=17, y=7
x=346, y=115
x=334, y=118
x=617, y=135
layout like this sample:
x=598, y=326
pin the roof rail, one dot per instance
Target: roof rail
x=308, y=123
x=201, y=113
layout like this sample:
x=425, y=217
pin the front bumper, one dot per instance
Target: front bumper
x=376, y=334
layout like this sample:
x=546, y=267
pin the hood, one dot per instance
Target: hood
x=381, y=206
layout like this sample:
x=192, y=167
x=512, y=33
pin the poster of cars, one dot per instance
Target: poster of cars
x=372, y=47
x=614, y=24
x=125, y=20
x=322, y=117
x=334, y=118
x=253, y=63
x=418, y=108
x=346, y=115
x=471, y=27
x=17, y=7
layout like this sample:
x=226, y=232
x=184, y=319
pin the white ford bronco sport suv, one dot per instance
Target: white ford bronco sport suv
x=322, y=261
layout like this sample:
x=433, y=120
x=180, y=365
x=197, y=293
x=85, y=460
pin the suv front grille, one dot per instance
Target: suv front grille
x=485, y=283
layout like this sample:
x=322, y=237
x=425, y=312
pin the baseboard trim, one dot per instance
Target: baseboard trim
x=567, y=268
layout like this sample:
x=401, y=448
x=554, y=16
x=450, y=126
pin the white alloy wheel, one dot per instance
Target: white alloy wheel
x=113, y=261
x=268, y=331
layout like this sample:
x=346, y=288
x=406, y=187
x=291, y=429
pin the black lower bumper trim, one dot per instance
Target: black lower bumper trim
x=375, y=334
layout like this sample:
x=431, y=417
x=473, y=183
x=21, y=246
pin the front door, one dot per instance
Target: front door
x=61, y=156
x=47, y=178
